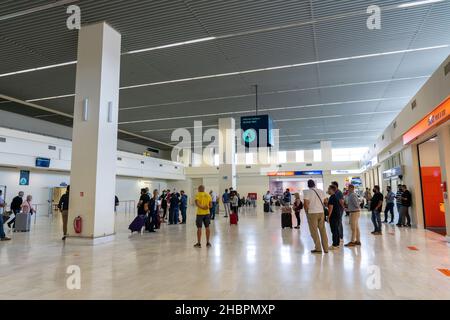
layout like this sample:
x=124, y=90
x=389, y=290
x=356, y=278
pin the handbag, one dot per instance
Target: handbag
x=325, y=209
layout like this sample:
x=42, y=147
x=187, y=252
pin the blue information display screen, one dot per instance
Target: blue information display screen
x=42, y=162
x=251, y=127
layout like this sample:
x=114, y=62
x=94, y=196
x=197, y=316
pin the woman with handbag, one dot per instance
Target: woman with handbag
x=315, y=200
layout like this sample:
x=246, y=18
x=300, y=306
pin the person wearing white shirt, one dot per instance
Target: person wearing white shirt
x=214, y=204
x=314, y=202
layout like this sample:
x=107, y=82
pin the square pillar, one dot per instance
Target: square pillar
x=444, y=156
x=227, y=151
x=95, y=124
x=325, y=147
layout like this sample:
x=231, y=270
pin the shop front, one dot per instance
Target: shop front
x=431, y=138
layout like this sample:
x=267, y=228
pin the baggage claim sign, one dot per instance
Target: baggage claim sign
x=257, y=131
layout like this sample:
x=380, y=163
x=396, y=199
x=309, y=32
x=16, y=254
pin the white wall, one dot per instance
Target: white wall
x=22, y=148
x=127, y=188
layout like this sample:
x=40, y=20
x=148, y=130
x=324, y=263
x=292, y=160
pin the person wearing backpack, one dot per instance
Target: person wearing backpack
x=298, y=206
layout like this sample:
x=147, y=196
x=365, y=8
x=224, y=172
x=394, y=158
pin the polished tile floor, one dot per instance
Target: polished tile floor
x=255, y=260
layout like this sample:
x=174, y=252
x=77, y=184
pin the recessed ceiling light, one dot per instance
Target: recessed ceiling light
x=171, y=45
x=38, y=68
x=417, y=3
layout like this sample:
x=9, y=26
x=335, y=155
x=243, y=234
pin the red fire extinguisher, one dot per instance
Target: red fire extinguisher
x=78, y=224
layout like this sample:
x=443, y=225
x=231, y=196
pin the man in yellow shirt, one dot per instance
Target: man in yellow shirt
x=203, y=202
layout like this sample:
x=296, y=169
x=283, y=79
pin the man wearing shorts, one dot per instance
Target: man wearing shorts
x=203, y=202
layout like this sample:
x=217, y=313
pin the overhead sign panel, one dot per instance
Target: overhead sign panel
x=257, y=131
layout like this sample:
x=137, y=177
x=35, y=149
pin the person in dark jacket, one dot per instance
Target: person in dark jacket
x=174, y=209
x=63, y=207
x=183, y=206
x=16, y=206
x=153, y=211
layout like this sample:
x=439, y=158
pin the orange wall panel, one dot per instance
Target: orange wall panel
x=432, y=196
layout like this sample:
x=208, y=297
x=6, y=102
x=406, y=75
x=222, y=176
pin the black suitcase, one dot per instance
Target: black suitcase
x=266, y=207
x=286, y=220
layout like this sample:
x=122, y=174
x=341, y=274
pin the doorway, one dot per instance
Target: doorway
x=430, y=175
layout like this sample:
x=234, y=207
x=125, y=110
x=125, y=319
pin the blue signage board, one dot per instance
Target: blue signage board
x=42, y=162
x=24, y=179
x=309, y=173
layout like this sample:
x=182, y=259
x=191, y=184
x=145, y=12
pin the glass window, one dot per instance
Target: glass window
x=282, y=157
x=300, y=156
x=249, y=158
x=317, y=155
x=348, y=154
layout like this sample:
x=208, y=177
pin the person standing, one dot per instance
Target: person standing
x=145, y=198
x=298, y=206
x=226, y=202
x=314, y=206
x=334, y=217
x=27, y=206
x=376, y=205
x=398, y=202
x=164, y=205
x=214, y=204
x=183, y=206
x=234, y=203
x=390, y=197
x=341, y=201
x=287, y=196
x=63, y=207
x=174, y=208
x=203, y=202
x=3, y=236
x=16, y=206
x=354, y=209
x=406, y=204
x=368, y=197
x=268, y=202
x=153, y=211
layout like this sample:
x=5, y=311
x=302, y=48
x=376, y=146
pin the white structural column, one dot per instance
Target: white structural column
x=227, y=151
x=94, y=151
x=309, y=156
x=325, y=147
x=291, y=156
x=444, y=155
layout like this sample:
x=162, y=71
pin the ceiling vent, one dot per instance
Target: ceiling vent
x=309, y=164
x=142, y=162
x=382, y=137
x=51, y=148
x=248, y=167
x=414, y=104
x=119, y=159
x=447, y=68
x=395, y=124
x=2, y=139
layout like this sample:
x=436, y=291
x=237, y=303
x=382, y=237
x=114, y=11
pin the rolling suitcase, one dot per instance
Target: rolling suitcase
x=286, y=220
x=23, y=222
x=233, y=218
x=137, y=224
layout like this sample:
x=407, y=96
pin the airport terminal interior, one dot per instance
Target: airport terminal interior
x=308, y=139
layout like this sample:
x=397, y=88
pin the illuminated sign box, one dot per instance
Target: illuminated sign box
x=433, y=119
x=295, y=173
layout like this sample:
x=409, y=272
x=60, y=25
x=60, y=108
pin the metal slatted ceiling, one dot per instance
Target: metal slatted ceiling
x=233, y=16
x=37, y=39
